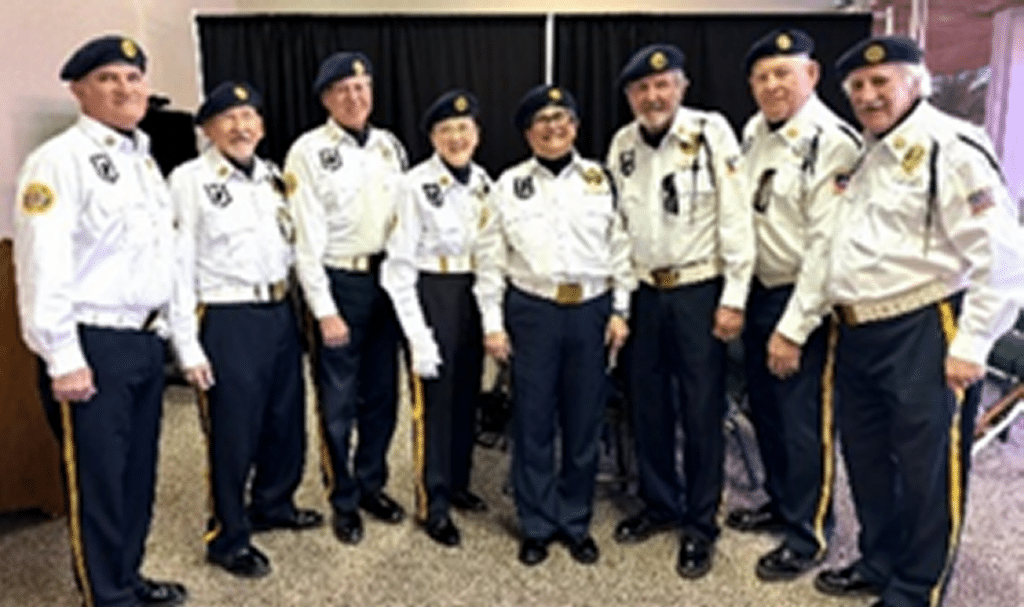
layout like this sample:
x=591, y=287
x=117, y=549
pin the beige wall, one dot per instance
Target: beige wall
x=36, y=38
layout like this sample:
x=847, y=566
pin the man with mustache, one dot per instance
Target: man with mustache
x=793, y=149
x=429, y=274
x=94, y=261
x=345, y=175
x=241, y=349
x=925, y=260
x=692, y=241
x=556, y=241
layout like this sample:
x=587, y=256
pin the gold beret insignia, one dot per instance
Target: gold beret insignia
x=37, y=199
x=461, y=104
x=875, y=53
x=783, y=42
x=659, y=60
x=358, y=68
x=128, y=48
x=241, y=94
x=554, y=94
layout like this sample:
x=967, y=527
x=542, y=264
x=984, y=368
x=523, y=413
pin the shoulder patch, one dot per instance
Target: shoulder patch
x=37, y=198
x=627, y=162
x=981, y=200
x=104, y=167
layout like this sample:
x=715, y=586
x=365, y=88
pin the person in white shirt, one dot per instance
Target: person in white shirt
x=553, y=282
x=924, y=270
x=692, y=241
x=429, y=274
x=93, y=255
x=241, y=349
x=346, y=174
x=794, y=147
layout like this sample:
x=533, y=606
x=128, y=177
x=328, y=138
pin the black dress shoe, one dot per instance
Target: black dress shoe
x=161, y=594
x=302, y=518
x=443, y=531
x=848, y=581
x=468, y=501
x=382, y=507
x=584, y=550
x=640, y=527
x=533, y=551
x=694, y=557
x=783, y=564
x=247, y=562
x=348, y=527
x=755, y=519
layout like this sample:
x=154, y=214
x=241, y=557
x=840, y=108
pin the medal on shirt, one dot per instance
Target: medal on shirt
x=627, y=162
x=104, y=167
x=523, y=187
x=218, y=194
x=669, y=195
x=433, y=193
x=330, y=159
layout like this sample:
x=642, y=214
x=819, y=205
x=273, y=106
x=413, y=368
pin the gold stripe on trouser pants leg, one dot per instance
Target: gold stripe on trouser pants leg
x=419, y=446
x=828, y=453
x=955, y=478
x=203, y=404
x=74, y=505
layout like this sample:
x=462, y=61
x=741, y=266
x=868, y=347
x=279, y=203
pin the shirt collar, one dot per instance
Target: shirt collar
x=339, y=135
x=910, y=136
x=111, y=139
x=536, y=168
x=802, y=124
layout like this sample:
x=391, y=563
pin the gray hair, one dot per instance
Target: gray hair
x=913, y=73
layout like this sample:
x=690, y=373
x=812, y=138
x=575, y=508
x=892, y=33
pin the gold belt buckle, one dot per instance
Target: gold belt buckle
x=569, y=293
x=847, y=315
x=665, y=278
x=278, y=290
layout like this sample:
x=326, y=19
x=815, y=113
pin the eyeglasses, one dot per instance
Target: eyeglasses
x=553, y=118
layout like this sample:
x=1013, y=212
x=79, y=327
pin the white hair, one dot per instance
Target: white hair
x=915, y=74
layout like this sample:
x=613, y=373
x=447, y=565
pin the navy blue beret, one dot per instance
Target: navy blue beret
x=101, y=51
x=341, y=65
x=784, y=41
x=455, y=103
x=876, y=50
x=540, y=97
x=652, y=59
x=228, y=94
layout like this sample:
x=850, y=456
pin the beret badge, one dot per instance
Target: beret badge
x=783, y=42
x=659, y=60
x=461, y=104
x=874, y=53
x=129, y=49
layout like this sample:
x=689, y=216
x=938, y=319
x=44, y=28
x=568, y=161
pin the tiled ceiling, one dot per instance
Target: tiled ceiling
x=959, y=32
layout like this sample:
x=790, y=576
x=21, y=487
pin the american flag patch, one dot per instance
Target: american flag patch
x=981, y=200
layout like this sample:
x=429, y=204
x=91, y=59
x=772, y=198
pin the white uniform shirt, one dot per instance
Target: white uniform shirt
x=235, y=237
x=344, y=201
x=883, y=246
x=93, y=239
x=437, y=216
x=695, y=170
x=790, y=175
x=558, y=228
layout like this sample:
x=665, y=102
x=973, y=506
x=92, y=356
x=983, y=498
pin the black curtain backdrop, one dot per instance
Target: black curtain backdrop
x=591, y=50
x=414, y=58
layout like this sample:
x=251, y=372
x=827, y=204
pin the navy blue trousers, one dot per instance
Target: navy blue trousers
x=357, y=389
x=558, y=389
x=445, y=425
x=109, y=451
x=905, y=446
x=794, y=425
x=677, y=377
x=255, y=414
